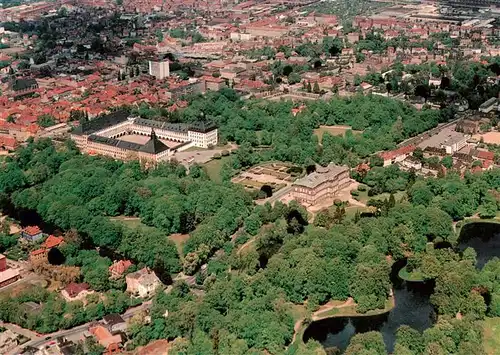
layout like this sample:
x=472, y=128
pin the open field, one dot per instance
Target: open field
x=351, y=310
x=213, y=168
x=333, y=130
x=363, y=196
x=134, y=222
x=12, y=50
x=491, y=336
x=415, y=275
x=489, y=137
x=179, y=240
x=131, y=222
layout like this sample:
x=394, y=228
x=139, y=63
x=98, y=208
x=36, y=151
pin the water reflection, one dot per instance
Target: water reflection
x=412, y=308
x=412, y=305
x=484, y=238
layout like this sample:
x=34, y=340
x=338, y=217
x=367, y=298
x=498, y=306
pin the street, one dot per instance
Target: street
x=37, y=341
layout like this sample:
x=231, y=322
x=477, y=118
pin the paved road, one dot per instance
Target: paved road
x=38, y=341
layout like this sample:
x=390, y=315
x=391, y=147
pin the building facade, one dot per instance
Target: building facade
x=324, y=183
x=32, y=233
x=142, y=283
x=7, y=275
x=102, y=136
x=160, y=69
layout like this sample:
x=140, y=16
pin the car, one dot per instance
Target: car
x=47, y=338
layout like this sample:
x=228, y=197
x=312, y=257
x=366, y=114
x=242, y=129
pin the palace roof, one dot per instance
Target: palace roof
x=101, y=122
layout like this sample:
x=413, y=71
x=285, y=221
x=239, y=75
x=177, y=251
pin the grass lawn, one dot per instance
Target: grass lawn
x=491, y=337
x=333, y=130
x=411, y=276
x=363, y=196
x=131, y=222
x=298, y=311
x=134, y=222
x=179, y=240
x=213, y=168
x=350, y=211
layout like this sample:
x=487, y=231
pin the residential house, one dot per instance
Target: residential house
x=61, y=346
x=142, y=283
x=433, y=151
x=8, y=142
x=76, y=292
x=119, y=267
x=115, y=323
x=410, y=162
x=32, y=233
x=110, y=342
x=8, y=341
x=52, y=242
x=39, y=256
x=398, y=155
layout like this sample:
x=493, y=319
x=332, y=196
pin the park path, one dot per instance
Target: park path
x=317, y=315
x=331, y=305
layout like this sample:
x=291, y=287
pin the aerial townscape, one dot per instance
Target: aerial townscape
x=261, y=177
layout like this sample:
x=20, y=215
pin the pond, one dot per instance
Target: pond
x=412, y=305
x=484, y=238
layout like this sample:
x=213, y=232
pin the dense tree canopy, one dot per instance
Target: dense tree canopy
x=254, y=266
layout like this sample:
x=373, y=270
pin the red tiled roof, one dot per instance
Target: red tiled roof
x=52, y=242
x=485, y=155
x=394, y=153
x=38, y=252
x=212, y=79
x=487, y=163
x=476, y=169
x=120, y=266
x=32, y=230
x=8, y=142
x=74, y=289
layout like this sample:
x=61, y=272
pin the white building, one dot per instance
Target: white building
x=160, y=69
x=142, y=283
x=454, y=144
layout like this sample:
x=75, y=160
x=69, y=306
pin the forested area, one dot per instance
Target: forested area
x=55, y=313
x=268, y=131
x=311, y=265
x=263, y=262
x=73, y=191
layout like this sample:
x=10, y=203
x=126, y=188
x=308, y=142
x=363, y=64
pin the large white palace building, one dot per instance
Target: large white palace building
x=126, y=138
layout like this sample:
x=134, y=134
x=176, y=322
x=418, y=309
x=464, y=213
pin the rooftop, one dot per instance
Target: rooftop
x=74, y=289
x=113, y=319
x=23, y=84
x=8, y=275
x=52, y=242
x=32, y=230
x=101, y=122
x=321, y=175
